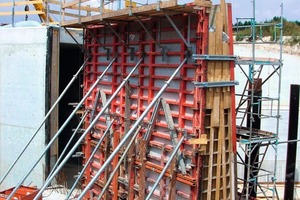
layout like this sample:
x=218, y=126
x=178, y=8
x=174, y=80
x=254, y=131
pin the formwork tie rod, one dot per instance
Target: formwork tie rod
x=165, y=168
x=43, y=122
x=61, y=128
x=90, y=158
x=89, y=128
x=129, y=134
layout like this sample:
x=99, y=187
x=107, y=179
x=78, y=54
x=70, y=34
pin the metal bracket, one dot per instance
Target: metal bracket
x=215, y=84
x=94, y=106
x=173, y=133
x=79, y=45
x=106, y=112
x=151, y=122
x=124, y=43
x=102, y=45
x=78, y=154
x=158, y=5
x=163, y=48
x=213, y=57
x=177, y=30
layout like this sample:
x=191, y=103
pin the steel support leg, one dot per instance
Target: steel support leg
x=292, y=147
x=134, y=126
x=89, y=160
x=165, y=168
x=87, y=131
x=69, y=142
x=119, y=163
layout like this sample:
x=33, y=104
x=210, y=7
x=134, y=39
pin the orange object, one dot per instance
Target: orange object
x=23, y=193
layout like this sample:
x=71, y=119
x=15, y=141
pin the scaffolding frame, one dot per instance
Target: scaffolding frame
x=254, y=143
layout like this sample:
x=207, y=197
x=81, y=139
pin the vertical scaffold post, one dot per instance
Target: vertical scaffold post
x=256, y=91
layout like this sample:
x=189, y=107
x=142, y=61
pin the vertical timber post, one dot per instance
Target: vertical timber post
x=292, y=146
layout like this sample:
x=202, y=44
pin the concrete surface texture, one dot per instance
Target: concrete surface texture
x=22, y=101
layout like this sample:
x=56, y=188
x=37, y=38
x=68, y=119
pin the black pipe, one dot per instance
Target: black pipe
x=292, y=146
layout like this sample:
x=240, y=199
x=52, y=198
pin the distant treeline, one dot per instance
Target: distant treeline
x=268, y=28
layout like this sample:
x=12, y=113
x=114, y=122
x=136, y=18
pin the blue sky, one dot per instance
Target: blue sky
x=265, y=9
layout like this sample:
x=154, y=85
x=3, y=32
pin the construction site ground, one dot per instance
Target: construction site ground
x=59, y=193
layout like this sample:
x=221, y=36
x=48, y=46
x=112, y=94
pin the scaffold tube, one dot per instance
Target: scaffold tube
x=86, y=131
x=124, y=140
x=61, y=128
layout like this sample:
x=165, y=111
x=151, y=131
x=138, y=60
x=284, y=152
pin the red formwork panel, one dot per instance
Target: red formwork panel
x=23, y=193
x=162, y=53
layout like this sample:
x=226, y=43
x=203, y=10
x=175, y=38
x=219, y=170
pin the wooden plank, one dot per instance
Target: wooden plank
x=65, y=13
x=19, y=3
x=106, y=155
x=210, y=70
x=88, y=9
x=22, y=13
x=226, y=65
x=53, y=2
x=219, y=157
x=210, y=163
x=131, y=172
x=150, y=10
x=217, y=71
x=222, y=139
x=203, y=3
x=216, y=114
x=71, y=3
x=201, y=140
x=172, y=184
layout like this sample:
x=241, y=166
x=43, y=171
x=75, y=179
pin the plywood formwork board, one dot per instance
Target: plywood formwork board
x=128, y=14
x=218, y=103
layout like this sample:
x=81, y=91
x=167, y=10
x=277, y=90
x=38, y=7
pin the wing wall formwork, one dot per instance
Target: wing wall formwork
x=197, y=103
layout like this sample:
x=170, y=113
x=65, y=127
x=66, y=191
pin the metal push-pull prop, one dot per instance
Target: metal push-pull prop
x=129, y=134
x=61, y=128
x=43, y=122
x=87, y=130
x=165, y=168
x=119, y=163
x=90, y=158
x=69, y=142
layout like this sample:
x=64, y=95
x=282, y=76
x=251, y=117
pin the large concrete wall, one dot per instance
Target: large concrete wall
x=22, y=101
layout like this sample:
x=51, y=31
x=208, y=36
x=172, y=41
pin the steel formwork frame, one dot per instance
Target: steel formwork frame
x=188, y=112
x=255, y=143
x=142, y=99
x=171, y=61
